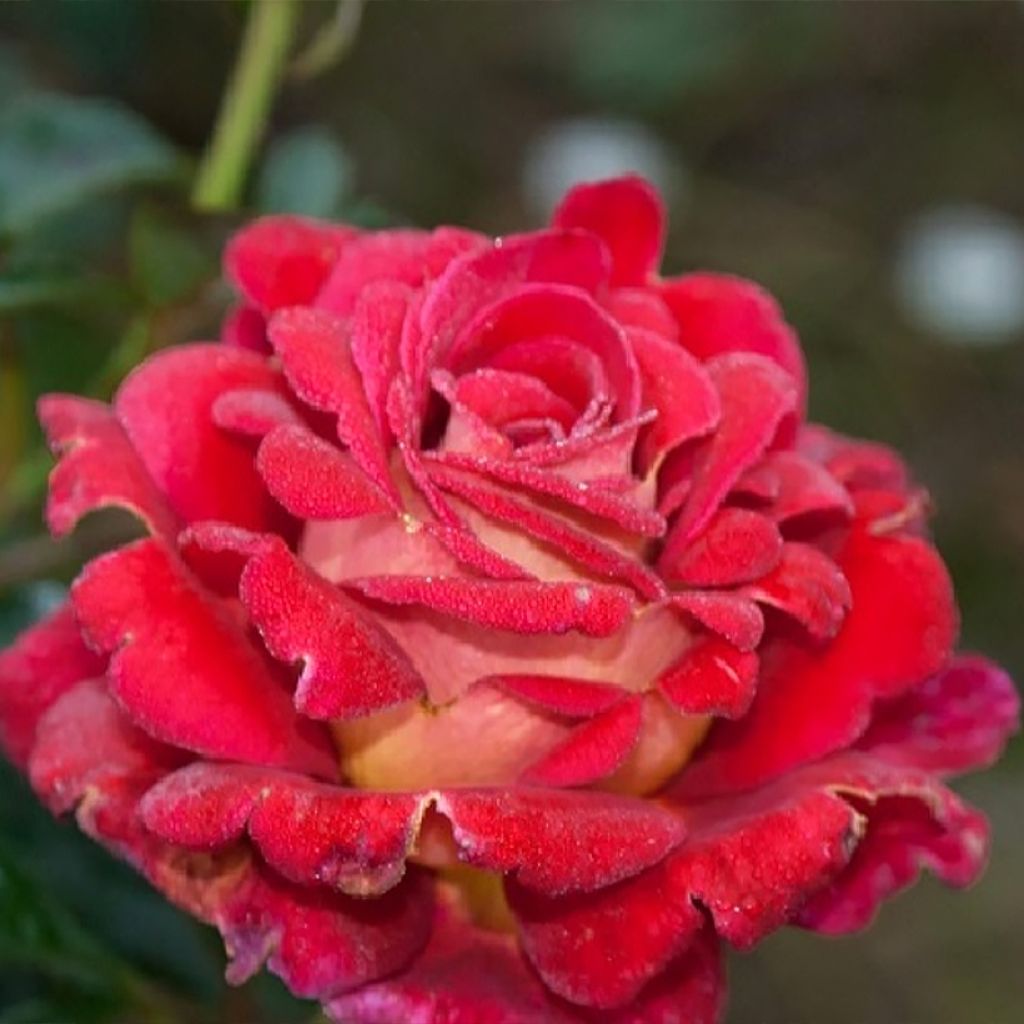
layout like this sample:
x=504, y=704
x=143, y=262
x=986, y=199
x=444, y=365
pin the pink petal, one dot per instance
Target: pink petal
x=558, y=841
x=350, y=665
x=899, y=630
x=717, y=313
x=755, y=395
x=958, y=720
x=313, y=479
x=679, y=388
x=736, y=546
x=627, y=214
x=40, y=666
x=801, y=487
x=183, y=669
x=593, y=750
x=166, y=408
x=521, y=606
x=711, y=678
x=575, y=698
x=807, y=585
x=314, y=349
x=245, y=327
x=253, y=412
x=283, y=261
x=97, y=467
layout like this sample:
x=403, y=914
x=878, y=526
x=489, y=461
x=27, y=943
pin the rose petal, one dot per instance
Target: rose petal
x=732, y=616
x=958, y=720
x=183, y=669
x=575, y=698
x=313, y=347
x=717, y=313
x=899, y=630
x=206, y=473
x=313, y=479
x=97, y=467
x=284, y=260
x=40, y=666
x=736, y=546
x=628, y=215
x=350, y=665
x=593, y=750
x=253, y=412
x=521, y=606
x=245, y=327
x=711, y=678
x=799, y=487
x=755, y=395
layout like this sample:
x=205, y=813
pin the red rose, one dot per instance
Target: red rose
x=504, y=638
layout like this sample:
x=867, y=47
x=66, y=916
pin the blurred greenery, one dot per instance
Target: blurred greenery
x=801, y=139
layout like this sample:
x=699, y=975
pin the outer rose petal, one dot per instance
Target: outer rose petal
x=321, y=943
x=245, y=327
x=41, y=665
x=182, y=667
x=951, y=723
x=166, y=408
x=627, y=214
x=97, y=468
x=899, y=630
x=717, y=313
x=283, y=261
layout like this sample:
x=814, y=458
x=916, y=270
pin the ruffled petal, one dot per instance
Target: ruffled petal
x=627, y=214
x=97, y=468
x=182, y=667
x=166, y=408
x=712, y=678
x=899, y=630
x=39, y=667
x=284, y=260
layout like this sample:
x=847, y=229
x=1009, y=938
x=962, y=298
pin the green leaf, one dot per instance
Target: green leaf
x=167, y=263
x=57, y=151
x=21, y=291
x=306, y=172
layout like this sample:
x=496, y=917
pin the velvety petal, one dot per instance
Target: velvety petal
x=245, y=327
x=712, y=678
x=717, y=313
x=627, y=214
x=581, y=545
x=678, y=387
x=958, y=720
x=521, y=606
x=593, y=750
x=575, y=698
x=314, y=350
x=558, y=841
x=182, y=667
x=732, y=616
x=755, y=395
x=84, y=743
x=376, y=331
x=543, y=311
x=807, y=585
x=283, y=260
x=350, y=665
x=312, y=834
x=321, y=943
x=313, y=479
x=42, y=664
x=166, y=408
x=595, y=500
x=912, y=823
x=253, y=412
x=401, y=256
x=899, y=630
x=736, y=546
x=748, y=866
x=796, y=486
x=97, y=467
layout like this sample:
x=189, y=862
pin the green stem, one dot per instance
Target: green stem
x=243, y=112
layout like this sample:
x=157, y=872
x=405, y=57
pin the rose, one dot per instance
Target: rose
x=504, y=638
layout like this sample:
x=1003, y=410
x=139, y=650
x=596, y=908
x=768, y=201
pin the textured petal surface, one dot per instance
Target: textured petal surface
x=182, y=667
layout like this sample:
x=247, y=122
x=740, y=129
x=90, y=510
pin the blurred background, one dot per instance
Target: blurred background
x=863, y=161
